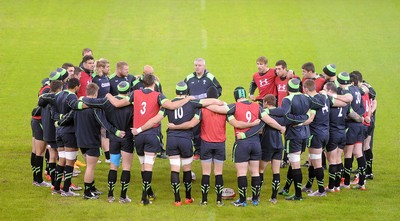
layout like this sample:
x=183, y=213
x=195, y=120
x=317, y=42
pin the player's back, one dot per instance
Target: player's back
x=337, y=118
x=179, y=116
x=300, y=104
x=213, y=126
x=87, y=129
x=146, y=106
x=246, y=111
x=320, y=124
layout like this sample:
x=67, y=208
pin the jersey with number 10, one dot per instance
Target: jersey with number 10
x=182, y=115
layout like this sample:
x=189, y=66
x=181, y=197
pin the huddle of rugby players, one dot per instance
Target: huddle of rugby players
x=86, y=107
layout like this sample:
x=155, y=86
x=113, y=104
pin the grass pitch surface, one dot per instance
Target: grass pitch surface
x=38, y=36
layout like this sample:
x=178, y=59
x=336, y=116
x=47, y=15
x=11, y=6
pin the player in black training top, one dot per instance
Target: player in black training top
x=121, y=118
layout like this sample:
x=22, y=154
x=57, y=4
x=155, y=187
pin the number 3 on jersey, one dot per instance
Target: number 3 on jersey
x=143, y=110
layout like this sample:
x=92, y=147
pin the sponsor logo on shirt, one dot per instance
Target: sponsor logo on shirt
x=105, y=84
x=264, y=83
x=281, y=87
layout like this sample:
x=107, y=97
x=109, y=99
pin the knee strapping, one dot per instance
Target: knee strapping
x=61, y=154
x=149, y=160
x=315, y=156
x=71, y=155
x=294, y=157
x=175, y=162
x=141, y=159
x=187, y=161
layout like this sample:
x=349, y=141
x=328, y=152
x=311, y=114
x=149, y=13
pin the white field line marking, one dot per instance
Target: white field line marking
x=204, y=38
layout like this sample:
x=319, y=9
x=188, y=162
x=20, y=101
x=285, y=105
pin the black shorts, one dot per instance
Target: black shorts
x=317, y=141
x=52, y=144
x=181, y=146
x=211, y=150
x=93, y=152
x=296, y=145
x=274, y=154
x=371, y=127
x=354, y=133
x=364, y=131
x=246, y=150
x=67, y=140
x=126, y=145
x=336, y=140
x=147, y=143
x=196, y=136
x=37, y=129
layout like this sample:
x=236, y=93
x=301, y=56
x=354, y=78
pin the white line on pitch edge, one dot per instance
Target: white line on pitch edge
x=204, y=37
x=203, y=5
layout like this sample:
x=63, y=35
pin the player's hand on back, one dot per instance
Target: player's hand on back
x=283, y=130
x=171, y=126
x=256, y=122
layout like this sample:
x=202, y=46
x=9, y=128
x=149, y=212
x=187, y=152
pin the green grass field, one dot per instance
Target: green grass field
x=38, y=36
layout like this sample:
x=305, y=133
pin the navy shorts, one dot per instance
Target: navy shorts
x=147, y=143
x=126, y=145
x=354, y=133
x=93, y=152
x=210, y=150
x=371, y=127
x=67, y=140
x=52, y=144
x=296, y=145
x=37, y=130
x=181, y=146
x=246, y=150
x=336, y=140
x=274, y=154
x=317, y=141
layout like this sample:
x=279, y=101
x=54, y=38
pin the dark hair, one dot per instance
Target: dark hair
x=212, y=92
x=87, y=58
x=148, y=80
x=270, y=99
x=73, y=82
x=358, y=74
x=55, y=85
x=77, y=70
x=67, y=65
x=354, y=78
x=281, y=62
x=309, y=84
x=330, y=86
x=309, y=66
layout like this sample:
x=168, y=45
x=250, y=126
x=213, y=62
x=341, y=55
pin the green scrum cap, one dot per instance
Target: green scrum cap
x=343, y=78
x=239, y=92
x=181, y=88
x=294, y=85
x=123, y=87
x=330, y=70
x=62, y=71
x=54, y=75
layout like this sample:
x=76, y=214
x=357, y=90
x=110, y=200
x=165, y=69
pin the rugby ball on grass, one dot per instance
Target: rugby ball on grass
x=228, y=193
x=193, y=176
